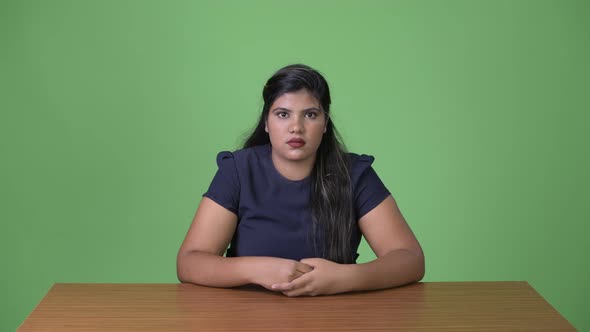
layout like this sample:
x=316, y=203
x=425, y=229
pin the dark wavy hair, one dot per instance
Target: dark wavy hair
x=331, y=195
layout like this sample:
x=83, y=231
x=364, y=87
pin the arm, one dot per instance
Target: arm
x=399, y=261
x=200, y=258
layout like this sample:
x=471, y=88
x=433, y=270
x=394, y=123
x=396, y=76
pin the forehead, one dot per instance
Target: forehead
x=297, y=99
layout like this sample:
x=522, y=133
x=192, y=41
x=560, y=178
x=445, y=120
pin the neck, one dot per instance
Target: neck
x=293, y=170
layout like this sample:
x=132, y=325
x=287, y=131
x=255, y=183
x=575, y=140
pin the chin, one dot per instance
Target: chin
x=295, y=155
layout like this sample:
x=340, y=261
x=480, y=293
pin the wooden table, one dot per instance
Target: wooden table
x=451, y=306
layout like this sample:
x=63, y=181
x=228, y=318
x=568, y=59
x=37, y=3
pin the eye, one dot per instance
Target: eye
x=311, y=115
x=282, y=115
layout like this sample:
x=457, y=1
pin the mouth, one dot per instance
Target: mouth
x=296, y=142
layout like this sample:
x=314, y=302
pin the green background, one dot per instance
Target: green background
x=112, y=113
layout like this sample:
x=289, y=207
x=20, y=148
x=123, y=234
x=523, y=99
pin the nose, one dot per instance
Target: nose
x=296, y=125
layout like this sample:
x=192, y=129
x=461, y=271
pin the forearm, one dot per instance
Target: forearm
x=211, y=270
x=398, y=267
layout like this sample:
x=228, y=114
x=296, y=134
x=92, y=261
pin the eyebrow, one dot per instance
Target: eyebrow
x=305, y=110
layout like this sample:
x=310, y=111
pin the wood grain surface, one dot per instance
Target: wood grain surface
x=429, y=306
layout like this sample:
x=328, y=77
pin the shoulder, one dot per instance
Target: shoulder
x=359, y=164
x=243, y=160
x=241, y=155
x=368, y=189
x=359, y=159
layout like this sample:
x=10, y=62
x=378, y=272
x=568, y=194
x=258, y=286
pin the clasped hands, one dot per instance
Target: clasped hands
x=308, y=277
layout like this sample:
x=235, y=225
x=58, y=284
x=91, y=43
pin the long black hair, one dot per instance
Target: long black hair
x=331, y=192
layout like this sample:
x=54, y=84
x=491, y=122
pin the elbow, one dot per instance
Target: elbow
x=180, y=276
x=416, y=264
x=189, y=266
x=180, y=268
x=420, y=266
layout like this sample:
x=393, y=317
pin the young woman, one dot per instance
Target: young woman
x=293, y=204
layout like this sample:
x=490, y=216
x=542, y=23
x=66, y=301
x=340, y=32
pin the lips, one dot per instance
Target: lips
x=296, y=142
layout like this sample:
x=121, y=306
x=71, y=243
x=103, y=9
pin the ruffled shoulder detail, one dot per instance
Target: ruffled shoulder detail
x=225, y=186
x=228, y=169
x=222, y=158
x=359, y=164
x=368, y=189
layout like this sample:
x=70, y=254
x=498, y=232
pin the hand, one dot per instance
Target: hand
x=271, y=270
x=326, y=278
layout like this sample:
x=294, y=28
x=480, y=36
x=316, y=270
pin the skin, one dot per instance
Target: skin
x=295, y=115
x=400, y=259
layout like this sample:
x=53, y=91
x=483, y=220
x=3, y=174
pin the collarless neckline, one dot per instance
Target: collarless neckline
x=268, y=157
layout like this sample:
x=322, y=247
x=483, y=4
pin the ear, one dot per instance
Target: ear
x=266, y=126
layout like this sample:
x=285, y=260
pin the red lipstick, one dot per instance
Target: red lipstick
x=296, y=142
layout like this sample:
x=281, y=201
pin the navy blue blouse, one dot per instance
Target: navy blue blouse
x=274, y=215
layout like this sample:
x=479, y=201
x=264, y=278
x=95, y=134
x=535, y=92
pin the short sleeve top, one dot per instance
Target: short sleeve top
x=274, y=214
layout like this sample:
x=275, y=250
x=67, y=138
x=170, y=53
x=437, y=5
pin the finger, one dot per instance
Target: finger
x=298, y=283
x=289, y=284
x=284, y=286
x=298, y=292
x=308, y=261
x=292, y=285
x=296, y=274
x=303, y=268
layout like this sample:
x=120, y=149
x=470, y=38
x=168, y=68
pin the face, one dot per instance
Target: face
x=296, y=124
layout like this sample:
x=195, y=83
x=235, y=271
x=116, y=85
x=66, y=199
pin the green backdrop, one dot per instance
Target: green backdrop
x=112, y=113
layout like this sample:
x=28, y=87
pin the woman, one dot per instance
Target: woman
x=293, y=205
